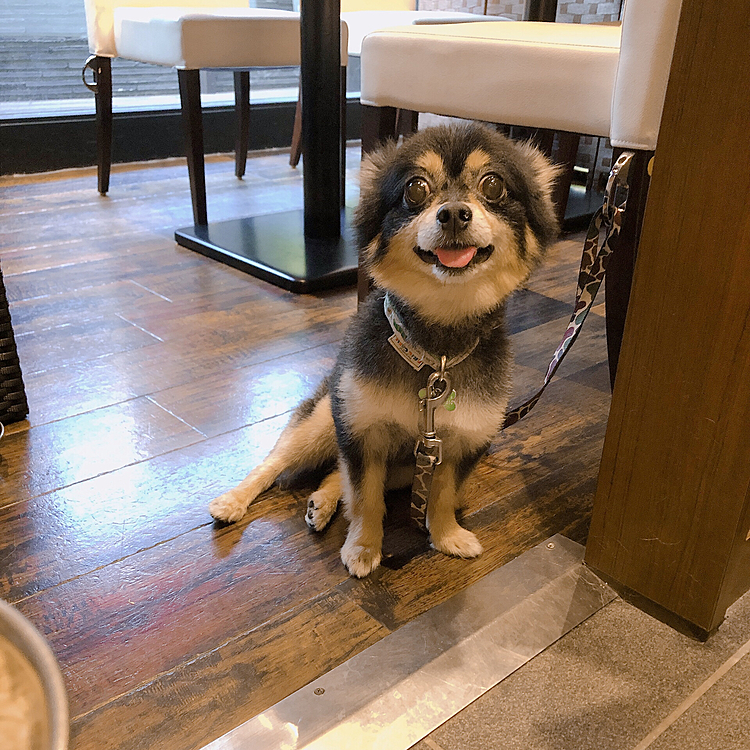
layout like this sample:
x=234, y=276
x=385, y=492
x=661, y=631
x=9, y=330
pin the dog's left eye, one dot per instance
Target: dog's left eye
x=492, y=187
x=416, y=191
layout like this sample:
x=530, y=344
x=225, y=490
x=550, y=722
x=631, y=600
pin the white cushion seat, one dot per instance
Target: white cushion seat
x=196, y=38
x=598, y=79
x=535, y=74
x=363, y=22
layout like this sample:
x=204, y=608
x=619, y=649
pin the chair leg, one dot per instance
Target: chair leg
x=242, y=108
x=624, y=251
x=103, y=98
x=342, y=125
x=407, y=122
x=192, y=117
x=296, y=152
x=565, y=154
x=543, y=138
x=378, y=126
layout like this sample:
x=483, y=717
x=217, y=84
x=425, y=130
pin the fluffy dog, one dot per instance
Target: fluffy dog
x=448, y=224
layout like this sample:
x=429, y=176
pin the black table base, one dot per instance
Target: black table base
x=273, y=247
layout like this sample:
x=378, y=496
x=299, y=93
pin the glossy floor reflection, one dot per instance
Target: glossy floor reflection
x=156, y=379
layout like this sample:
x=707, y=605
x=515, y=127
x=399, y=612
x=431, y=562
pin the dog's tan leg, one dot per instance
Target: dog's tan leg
x=304, y=443
x=323, y=502
x=365, y=505
x=446, y=535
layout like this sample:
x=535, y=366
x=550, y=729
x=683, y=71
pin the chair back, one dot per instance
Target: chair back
x=649, y=30
x=100, y=17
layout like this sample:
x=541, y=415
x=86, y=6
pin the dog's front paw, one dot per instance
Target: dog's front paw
x=359, y=560
x=229, y=507
x=320, y=510
x=459, y=542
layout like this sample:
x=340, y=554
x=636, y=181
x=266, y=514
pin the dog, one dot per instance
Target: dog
x=449, y=224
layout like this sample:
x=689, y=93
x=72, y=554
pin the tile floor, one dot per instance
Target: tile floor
x=620, y=681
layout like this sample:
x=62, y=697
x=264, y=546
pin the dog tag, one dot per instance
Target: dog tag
x=450, y=402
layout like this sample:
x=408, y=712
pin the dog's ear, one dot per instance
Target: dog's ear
x=544, y=171
x=371, y=209
x=374, y=165
x=541, y=176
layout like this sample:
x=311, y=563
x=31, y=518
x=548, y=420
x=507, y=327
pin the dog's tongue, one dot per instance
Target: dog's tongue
x=456, y=258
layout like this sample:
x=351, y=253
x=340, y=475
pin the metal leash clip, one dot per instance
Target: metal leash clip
x=616, y=193
x=437, y=391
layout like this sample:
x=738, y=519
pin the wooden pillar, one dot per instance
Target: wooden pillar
x=671, y=519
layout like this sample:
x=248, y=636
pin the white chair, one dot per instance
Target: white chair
x=188, y=35
x=362, y=17
x=601, y=80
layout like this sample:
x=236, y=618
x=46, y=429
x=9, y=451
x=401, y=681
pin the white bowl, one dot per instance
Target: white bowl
x=33, y=702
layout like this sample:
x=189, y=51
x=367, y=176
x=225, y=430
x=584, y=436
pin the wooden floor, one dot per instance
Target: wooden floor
x=156, y=378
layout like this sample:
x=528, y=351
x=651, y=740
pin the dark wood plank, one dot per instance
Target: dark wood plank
x=79, y=341
x=229, y=400
x=558, y=275
x=534, y=347
x=70, y=532
x=205, y=698
x=118, y=377
x=77, y=305
x=185, y=597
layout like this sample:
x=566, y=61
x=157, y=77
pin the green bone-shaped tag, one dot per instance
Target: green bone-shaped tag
x=450, y=402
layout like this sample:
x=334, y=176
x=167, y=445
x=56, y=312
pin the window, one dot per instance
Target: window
x=43, y=46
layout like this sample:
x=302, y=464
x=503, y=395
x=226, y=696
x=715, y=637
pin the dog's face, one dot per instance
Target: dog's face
x=455, y=219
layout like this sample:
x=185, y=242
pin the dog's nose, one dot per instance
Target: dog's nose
x=454, y=217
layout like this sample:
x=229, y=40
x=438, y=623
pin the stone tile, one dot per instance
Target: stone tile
x=605, y=685
x=717, y=720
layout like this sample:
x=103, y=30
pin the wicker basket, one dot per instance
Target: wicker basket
x=13, y=404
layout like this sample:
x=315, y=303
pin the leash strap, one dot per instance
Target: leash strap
x=590, y=275
x=420, y=488
x=429, y=448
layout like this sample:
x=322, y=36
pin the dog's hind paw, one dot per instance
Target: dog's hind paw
x=228, y=507
x=360, y=561
x=459, y=542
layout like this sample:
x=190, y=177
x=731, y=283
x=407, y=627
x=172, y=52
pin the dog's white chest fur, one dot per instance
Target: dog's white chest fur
x=367, y=404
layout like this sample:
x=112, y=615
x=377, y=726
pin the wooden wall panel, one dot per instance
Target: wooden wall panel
x=670, y=519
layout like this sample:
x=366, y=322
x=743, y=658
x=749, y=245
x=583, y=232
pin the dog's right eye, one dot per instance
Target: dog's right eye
x=416, y=192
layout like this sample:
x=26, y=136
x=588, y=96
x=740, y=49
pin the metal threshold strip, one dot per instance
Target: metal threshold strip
x=399, y=690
